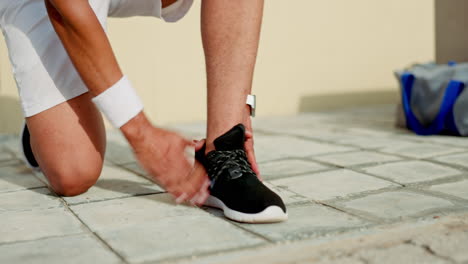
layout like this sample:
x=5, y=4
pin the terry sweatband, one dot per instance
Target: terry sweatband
x=119, y=103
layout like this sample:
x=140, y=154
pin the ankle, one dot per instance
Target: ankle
x=209, y=146
x=217, y=127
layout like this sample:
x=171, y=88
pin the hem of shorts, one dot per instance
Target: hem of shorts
x=39, y=108
x=177, y=14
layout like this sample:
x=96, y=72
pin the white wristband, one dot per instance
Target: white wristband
x=119, y=103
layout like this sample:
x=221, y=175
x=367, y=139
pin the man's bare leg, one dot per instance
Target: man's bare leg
x=69, y=141
x=230, y=32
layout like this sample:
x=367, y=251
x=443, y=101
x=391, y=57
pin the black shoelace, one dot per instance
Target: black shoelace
x=219, y=161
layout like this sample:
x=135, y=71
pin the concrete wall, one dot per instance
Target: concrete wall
x=308, y=49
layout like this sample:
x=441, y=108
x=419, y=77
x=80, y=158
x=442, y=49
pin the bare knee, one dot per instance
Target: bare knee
x=73, y=180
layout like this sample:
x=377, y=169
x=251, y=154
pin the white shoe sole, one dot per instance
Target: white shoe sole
x=271, y=214
x=23, y=155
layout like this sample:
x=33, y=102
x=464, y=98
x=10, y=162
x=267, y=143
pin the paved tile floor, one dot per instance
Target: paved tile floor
x=358, y=190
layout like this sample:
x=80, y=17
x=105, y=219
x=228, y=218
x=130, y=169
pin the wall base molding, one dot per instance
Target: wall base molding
x=315, y=103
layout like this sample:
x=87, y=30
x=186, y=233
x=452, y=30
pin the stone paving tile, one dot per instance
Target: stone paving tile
x=419, y=150
x=396, y=204
x=127, y=224
x=451, y=244
x=459, y=189
x=119, y=213
x=330, y=134
x=356, y=158
x=287, y=124
x=136, y=168
x=305, y=221
x=17, y=177
x=457, y=159
x=369, y=132
x=41, y=177
x=289, y=167
x=119, y=153
x=346, y=260
x=412, y=171
x=12, y=162
x=5, y=155
x=280, y=147
x=11, y=142
x=402, y=253
x=35, y=199
x=332, y=184
x=115, y=183
x=370, y=143
x=57, y=250
x=287, y=196
x=116, y=136
x=35, y=224
x=176, y=237
x=344, y=246
x=448, y=140
x=378, y=125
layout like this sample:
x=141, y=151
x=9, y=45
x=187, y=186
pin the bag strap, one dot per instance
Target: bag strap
x=450, y=119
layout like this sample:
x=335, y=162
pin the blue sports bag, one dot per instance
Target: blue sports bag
x=434, y=99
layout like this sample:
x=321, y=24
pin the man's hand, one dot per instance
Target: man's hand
x=163, y=154
x=249, y=147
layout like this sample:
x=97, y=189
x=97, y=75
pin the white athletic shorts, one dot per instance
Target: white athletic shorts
x=42, y=69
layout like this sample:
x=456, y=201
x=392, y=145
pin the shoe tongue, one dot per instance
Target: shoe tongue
x=231, y=140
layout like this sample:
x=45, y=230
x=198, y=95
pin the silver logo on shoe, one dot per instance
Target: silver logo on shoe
x=235, y=173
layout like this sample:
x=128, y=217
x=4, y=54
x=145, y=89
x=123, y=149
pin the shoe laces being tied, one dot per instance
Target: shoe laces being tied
x=234, y=161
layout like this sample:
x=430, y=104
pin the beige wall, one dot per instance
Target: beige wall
x=308, y=48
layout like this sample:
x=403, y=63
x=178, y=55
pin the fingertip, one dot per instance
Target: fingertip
x=202, y=199
x=190, y=142
x=199, y=144
x=194, y=199
x=181, y=198
x=206, y=184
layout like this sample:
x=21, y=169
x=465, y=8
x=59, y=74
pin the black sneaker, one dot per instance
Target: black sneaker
x=25, y=148
x=235, y=188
